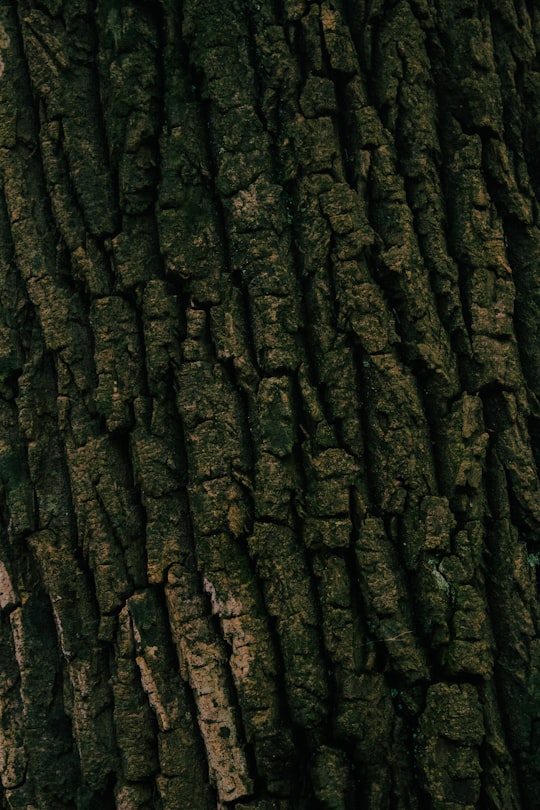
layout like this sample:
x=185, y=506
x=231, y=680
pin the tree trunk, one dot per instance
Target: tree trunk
x=270, y=427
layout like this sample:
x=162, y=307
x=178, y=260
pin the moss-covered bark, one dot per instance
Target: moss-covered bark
x=269, y=415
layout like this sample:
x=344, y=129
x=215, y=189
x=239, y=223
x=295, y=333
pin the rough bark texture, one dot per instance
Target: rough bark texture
x=270, y=427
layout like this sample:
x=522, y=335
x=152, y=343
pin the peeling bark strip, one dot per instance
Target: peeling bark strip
x=269, y=405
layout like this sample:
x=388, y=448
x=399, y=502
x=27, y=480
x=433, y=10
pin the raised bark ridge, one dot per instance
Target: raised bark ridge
x=269, y=379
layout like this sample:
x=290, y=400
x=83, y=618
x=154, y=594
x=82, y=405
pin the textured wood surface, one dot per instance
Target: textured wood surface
x=269, y=417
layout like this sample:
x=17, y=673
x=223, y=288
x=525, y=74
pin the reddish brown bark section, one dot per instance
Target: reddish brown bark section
x=269, y=419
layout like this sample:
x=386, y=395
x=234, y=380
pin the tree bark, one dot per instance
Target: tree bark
x=270, y=427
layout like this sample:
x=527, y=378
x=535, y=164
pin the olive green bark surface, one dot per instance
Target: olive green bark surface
x=269, y=405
